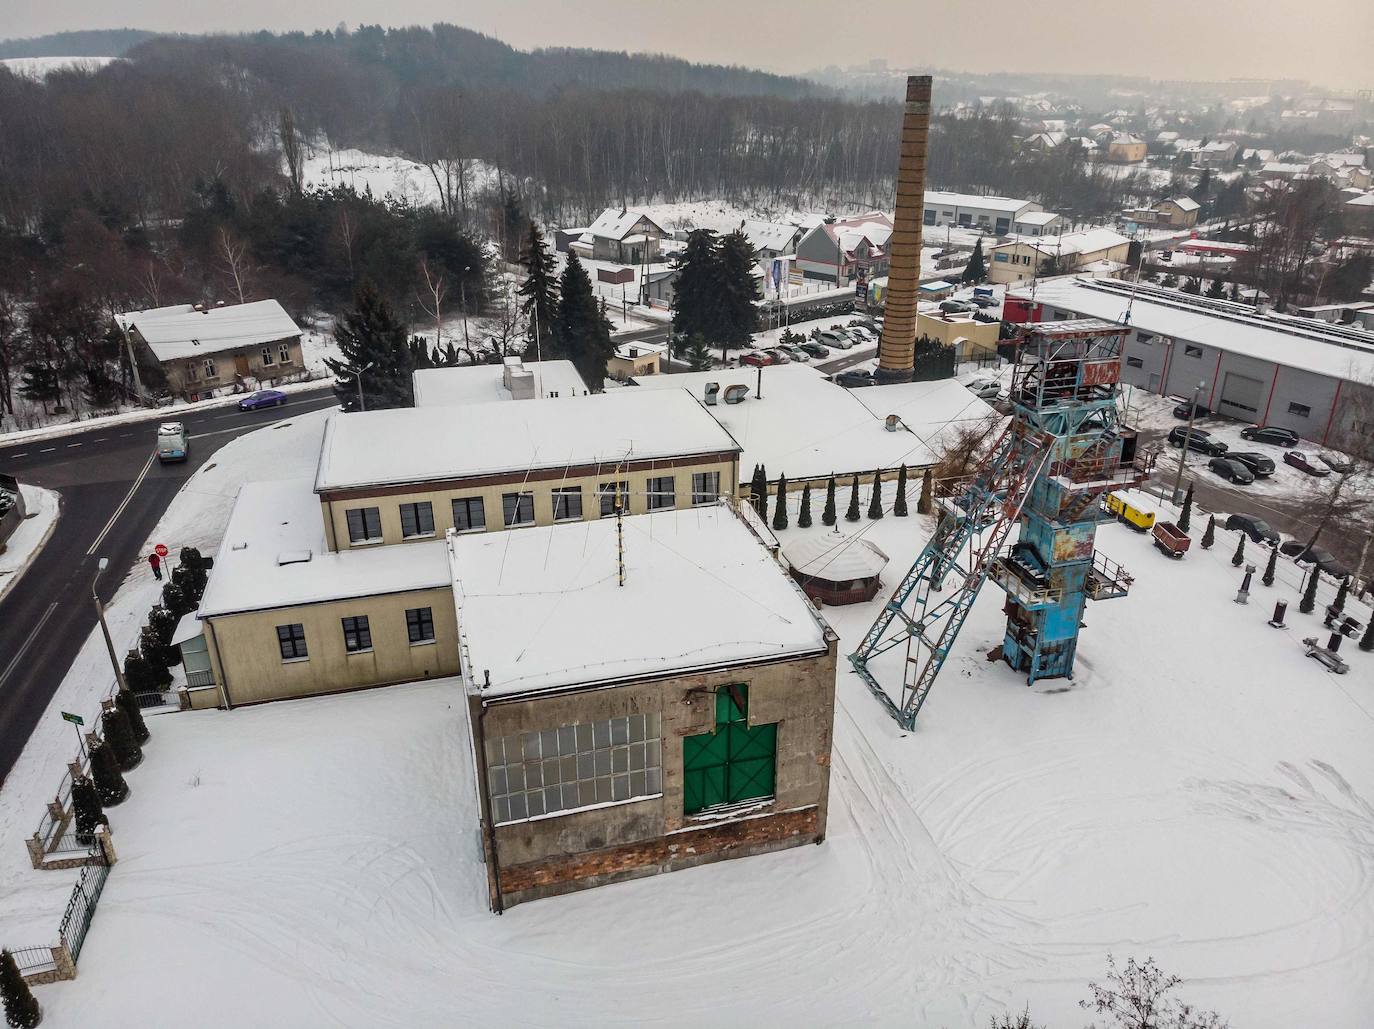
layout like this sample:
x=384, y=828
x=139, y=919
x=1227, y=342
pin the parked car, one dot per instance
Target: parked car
x=1323, y=559
x=1270, y=434
x=984, y=302
x=1181, y=411
x=1336, y=464
x=1256, y=528
x=759, y=358
x=172, y=442
x=833, y=338
x=955, y=306
x=1197, y=439
x=863, y=320
x=1260, y=466
x=1303, y=463
x=262, y=398
x=794, y=353
x=858, y=334
x=985, y=389
x=1231, y=470
x=854, y=378
x=814, y=349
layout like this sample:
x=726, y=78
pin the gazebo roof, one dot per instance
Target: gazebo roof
x=835, y=560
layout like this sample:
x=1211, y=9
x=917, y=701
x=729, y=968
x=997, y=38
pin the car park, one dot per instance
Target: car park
x=1260, y=466
x=759, y=358
x=1256, y=528
x=1182, y=411
x=1197, y=439
x=1270, y=434
x=1303, y=463
x=814, y=349
x=1232, y=471
x=1323, y=559
x=262, y=398
x=854, y=378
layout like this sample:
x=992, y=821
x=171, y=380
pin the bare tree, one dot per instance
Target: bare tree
x=1138, y=997
x=233, y=257
x=10, y=338
x=432, y=299
x=292, y=150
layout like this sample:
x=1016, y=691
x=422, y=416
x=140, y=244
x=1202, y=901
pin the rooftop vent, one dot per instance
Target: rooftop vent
x=293, y=557
x=712, y=393
x=892, y=423
x=735, y=394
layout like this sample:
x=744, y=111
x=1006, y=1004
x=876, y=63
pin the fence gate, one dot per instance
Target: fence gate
x=81, y=908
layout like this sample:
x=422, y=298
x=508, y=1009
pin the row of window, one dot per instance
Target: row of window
x=1299, y=410
x=210, y=370
x=357, y=634
x=469, y=513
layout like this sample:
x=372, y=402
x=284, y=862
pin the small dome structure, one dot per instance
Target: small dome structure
x=836, y=571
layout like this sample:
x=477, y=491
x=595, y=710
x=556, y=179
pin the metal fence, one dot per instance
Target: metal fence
x=81, y=907
x=34, y=960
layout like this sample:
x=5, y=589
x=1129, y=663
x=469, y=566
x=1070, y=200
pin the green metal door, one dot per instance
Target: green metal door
x=732, y=763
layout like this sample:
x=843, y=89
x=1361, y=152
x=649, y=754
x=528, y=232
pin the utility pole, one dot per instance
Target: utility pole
x=1183, y=450
x=105, y=629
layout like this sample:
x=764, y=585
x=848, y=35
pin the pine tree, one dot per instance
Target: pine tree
x=697, y=354
x=41, y=384
x=1217, y=290
x=875, y=501
x=697, y=288
x=927, y=502
x=852, y=515
x=899, y=504
x=804, y=515
x=1209, y=535
x=109, y=781
x=780, y=509
x=198, y=574
x=1238, y=558
x=582, y=331
x=1341, y=595
x=977, y=269
x=1309, y=595
x=1367, y=640
x=86, y=808
x=1185, y=517
x=540, y=290
x=119, y=734
x=737, y=314
x=758, y=487
x=513, y=222
x=128, y=703
x=828, y=515
x=370, y=334
x=1192, y=285
x=1271, y=567
x=21, y=1006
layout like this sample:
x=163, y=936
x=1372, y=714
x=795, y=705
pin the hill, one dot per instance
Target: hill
x=92, y=43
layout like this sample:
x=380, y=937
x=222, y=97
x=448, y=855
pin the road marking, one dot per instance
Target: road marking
x=125, y=435
x=24, y=454
x=102, y=439
x=70, y=445
x=123, y=504
x=48, y=450
x=28, y=642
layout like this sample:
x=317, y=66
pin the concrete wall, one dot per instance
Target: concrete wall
x=578, y=849
x=981, y=336
x=541, y=484
x=248, y=663
x=181, y=381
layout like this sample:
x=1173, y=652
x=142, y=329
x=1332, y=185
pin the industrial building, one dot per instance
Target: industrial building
x=971, y=211
x=1302, y=374
x=1028, y=258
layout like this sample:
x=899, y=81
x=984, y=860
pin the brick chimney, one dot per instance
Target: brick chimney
x=896, y=352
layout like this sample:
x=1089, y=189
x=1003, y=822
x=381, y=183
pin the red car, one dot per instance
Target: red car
x=758, y=358
x=1300, y=461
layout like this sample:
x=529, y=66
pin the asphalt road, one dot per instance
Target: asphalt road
x=113, y=493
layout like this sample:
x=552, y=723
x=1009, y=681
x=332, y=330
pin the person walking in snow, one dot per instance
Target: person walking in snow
x=156, y=563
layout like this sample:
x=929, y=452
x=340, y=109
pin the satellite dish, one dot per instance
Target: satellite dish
x=712, y=391
x=736, y=393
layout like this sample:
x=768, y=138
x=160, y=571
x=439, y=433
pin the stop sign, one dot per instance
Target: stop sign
x=160, y=550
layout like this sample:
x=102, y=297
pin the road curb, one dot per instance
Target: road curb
x=18, y=573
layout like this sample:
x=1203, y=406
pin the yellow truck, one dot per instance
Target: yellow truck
x=1141, y=521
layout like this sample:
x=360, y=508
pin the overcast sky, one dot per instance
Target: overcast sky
x=1325, y=41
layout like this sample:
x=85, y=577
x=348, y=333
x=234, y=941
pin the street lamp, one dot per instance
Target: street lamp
x=463, y=298
x=357, y=374
x=1183, y=450
x=105, y=629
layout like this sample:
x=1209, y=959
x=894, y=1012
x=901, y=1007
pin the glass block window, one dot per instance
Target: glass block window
x=574, y=766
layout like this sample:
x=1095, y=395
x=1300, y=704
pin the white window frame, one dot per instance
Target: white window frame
x=267, y=359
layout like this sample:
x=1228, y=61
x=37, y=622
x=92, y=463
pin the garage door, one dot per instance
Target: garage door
x=1241, y=395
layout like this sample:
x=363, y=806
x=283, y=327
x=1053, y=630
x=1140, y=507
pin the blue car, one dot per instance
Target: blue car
x=262, y=398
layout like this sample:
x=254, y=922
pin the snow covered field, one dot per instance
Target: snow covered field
x=385, y=175
x=1201, y=792
x=41, y=67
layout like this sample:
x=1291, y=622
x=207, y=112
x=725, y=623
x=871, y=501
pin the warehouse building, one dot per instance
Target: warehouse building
x=1302, y=374
x=971, y=211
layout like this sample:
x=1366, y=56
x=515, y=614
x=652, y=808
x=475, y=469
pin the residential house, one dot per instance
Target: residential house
x=625, y=237
x=636, y=358
x=1357, y=215
x=208, y=351
x=1030, y=258
x=1180, y=212
x=1125, y=148
x=846, y=249
x=1219, y=153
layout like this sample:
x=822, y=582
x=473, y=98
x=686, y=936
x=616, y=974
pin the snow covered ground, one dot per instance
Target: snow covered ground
x=386, y=175
x=28, y=539
x=1200, y=792
x=41, y=67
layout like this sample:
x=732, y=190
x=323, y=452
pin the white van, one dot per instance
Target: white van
x=172, y=442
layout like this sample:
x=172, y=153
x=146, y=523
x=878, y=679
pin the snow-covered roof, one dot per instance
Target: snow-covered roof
x=1184, y=203
x=1364, y=200
x=1227, y=327
x=1036, y=218
x=807, y=427
x=274, y=555
x=182, y=331
x=835, y=560
x=425, y=444
x=640, y=348
x=1088, y=241
x=1283, y=168
x=542, y=608
x=937, y=198
x=770, y=235
x=476, y=384
x=616, y=224
x=1126, y=139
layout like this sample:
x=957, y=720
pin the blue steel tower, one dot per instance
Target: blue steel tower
x=1064, y=393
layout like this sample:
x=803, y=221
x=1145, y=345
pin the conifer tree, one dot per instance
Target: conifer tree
x=1341, y=595
x=1309, y=595
x=371, y=334
x=736, y=292
x=875, y=500
x=1271, y=567
x=583, y=332
x=899, y=504
x=1238, y=558
x=513, y=223
x=119, y=734
x=927, y=502
x=976, y=270
x=175, y=600
x=109, y=781
x=128, y=703
x=852, y=515
x=1217, y=290
x=1209, y=535
x=758, y=491
x=21, y=1006
x=696, y=290
x=540, y=290
x=804, y=515
x=696, y=353
x=780, y=507
x=86, y=808
x=1367, y=640
x=828, y=515
x=1185, y=517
